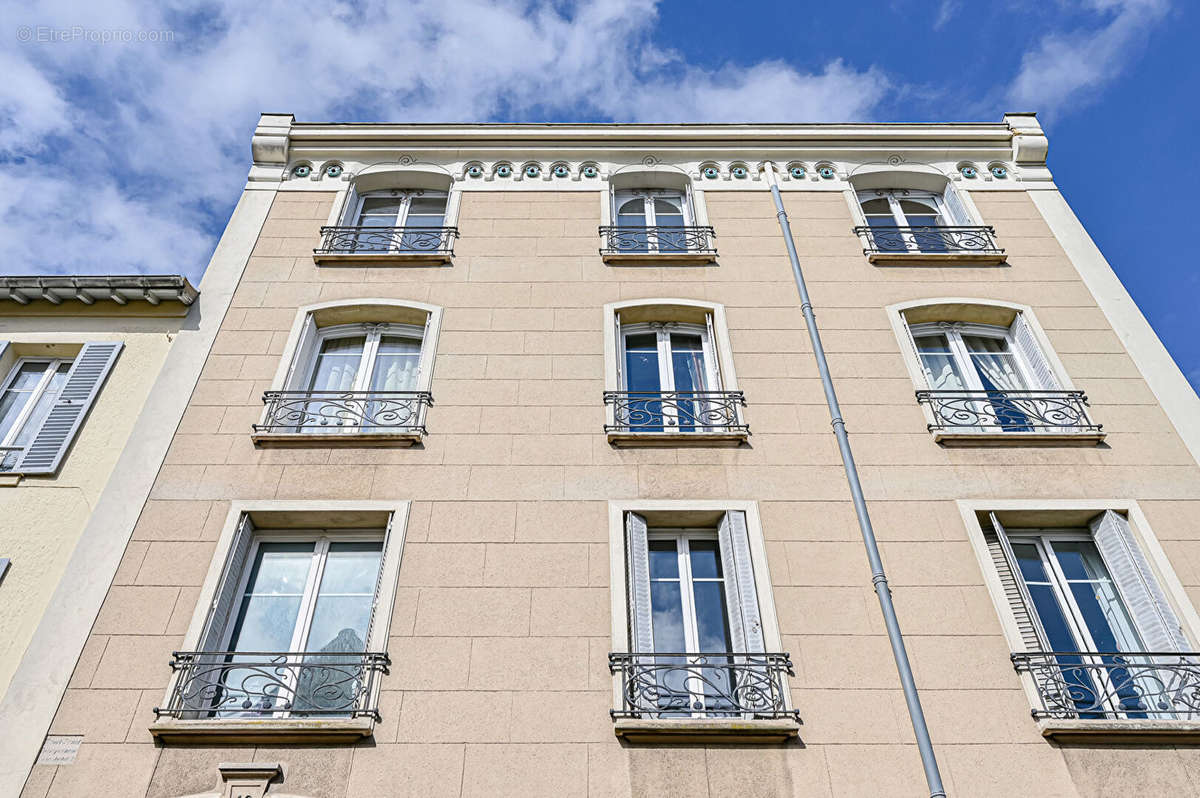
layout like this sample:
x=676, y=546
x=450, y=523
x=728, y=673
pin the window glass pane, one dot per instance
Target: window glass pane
x=633, y=207
x=641, y=363
x=396, y=364
x=996, y=364
x=667, y=607
x=427, y=206
x=880, y=205
x=939, y=363
x=920, y=208
x=664, y=559
x=1030, y=563
x=270, y=606
x=18, y=394
x=1104, y=613
x=687, y=362
x=705, y=559
x=378, y=211
x=670, y=206
x=712, y=624
x=42, y=406
x=343, y=609
x=1054, y=622
x=337, y=364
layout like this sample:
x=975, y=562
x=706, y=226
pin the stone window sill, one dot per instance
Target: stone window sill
x=658, y=258
x=664, y=439
x=334, y=439
x=707, y=730
x=383, y=258
x=949, y=438
x=1120, y=731
x=228, y=730
x=938, y=258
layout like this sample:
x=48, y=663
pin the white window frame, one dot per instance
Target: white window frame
x=620, y=196
x=396, y=513
x=895, y=195
x=666, y=370
x=373, y=333
x=618, y=569
x=35, y=395
x=354, y=209
x=681, y=536
x=1045, y=513
x=954, y=332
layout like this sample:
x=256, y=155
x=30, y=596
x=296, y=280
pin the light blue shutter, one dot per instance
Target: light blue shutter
x=1015, y=590
x=741, y=596
x=1026, y=344
x=956, y=208
x=641, y=630
x=224, y=602
x=1156, y=622
x=79, y=391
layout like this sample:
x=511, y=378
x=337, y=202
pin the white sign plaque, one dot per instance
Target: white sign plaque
x=59, y=749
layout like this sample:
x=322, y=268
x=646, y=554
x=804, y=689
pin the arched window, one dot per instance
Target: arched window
x=670, y=373
x=399, y=220
x=653, y=220
x=984, y=369
x=903, y=220
x=355, y=369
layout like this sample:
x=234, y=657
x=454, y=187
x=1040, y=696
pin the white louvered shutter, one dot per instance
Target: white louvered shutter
x=956, y=207
x=911, y=342
x=1015, y=591
x=741, y=596
x=617, y=355
x=387, y=536
x=225, y=600
x=297, y=375
x=1156, y=622
x=79, y=391
x=3, y=346
x=1027, y=345
x=637, y=577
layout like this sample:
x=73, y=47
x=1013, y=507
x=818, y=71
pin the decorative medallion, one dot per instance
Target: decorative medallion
x=561, y=170
x=797, y=172
x=711, y=172
x=333, y=170
x=303, y=170
x=503, y=170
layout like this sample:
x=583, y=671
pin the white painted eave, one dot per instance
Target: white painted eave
x=88, y=289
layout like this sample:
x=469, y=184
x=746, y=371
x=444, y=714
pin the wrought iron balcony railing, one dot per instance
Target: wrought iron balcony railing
x=255, y=684
x=351, y=412
x=1107, y=686
x=1062, y=412
x=385, y=240
x=697, y=412
x=928, y=240
x=715, y=685
x=660, y=240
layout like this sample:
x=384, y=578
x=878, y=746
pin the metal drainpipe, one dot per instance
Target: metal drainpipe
x=932, y=776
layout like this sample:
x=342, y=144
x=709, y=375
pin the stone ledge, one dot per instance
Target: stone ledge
x=307, y=439
x=938, y=258
x=383, y=258
x=1018, y=438
x=268, y=730
x=1120, y=731
x=707, y=730
x=665, y=439
x=658, y=258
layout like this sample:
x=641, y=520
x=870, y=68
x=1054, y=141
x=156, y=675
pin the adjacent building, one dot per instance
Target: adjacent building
x=509, y=472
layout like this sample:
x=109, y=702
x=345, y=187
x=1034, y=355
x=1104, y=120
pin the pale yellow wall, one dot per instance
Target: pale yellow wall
x=41, y=518
x=501, y=628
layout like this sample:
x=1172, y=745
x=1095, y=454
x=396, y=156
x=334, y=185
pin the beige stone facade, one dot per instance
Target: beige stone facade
x=502, y=618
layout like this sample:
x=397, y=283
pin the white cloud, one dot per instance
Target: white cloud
x=1068, y=68
x=947, y=10
x=149, y=142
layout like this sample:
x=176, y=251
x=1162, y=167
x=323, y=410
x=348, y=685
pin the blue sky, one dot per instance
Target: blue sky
x=127, y=156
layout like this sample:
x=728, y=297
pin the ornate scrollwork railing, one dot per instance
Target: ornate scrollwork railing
x=374, y=412
x=1009, y=411
x=383, y=240
x=1098, y=685
x=676, y=411
x=625, y=240
x=255, y=684
x=930, y=239
x=716, y=685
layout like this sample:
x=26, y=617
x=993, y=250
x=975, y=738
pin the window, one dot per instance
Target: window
x=991, y=378
x=670, y=373
x=674, y=364
x=1101, y=639
x=294, y=623
x=907, y=221
x=696, y=631
x=43, y=402
x=309, y=596
x=400, y=220
x=654, y=218
x=351, y=379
